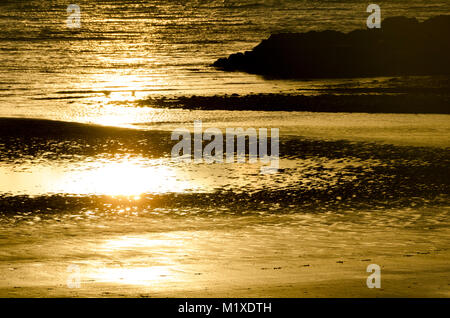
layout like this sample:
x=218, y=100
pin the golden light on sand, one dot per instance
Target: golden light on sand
x=136, y=242
x=114, y=114
x=134, y=275
x=110, y=115
x=140, y=271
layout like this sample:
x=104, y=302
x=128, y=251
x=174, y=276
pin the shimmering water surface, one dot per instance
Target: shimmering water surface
x=351, y=187
x=128, y=49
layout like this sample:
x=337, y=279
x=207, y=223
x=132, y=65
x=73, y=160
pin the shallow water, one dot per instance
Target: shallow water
x=112, y=202
x=130, y=49
x=352, y=188
x=62, y=167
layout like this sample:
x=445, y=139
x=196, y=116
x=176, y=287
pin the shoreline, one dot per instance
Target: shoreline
x=413, y=103
x=199, y=245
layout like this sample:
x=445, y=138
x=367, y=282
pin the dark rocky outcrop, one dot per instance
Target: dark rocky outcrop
x=403, y=46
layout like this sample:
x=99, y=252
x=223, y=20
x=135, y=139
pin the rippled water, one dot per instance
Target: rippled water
x=136, y=48
x=351, y=186
x=61, y=167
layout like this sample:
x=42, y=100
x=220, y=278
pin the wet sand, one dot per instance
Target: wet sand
x=389, y=95
x=412, y=103
x=364, y=161
x=335, y=207
x=269, y=257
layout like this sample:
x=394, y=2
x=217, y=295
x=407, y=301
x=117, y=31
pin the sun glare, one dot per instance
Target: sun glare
x=128, y=178
x=122, y=177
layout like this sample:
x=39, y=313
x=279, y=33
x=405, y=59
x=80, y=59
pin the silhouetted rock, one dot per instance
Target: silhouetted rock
x=403, y=46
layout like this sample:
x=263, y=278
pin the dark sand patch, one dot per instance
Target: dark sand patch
x=426, y=103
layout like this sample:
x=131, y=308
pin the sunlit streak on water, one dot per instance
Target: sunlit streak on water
x=126, y=49
x=128, y=177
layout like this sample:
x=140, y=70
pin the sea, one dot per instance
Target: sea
x=87, y=178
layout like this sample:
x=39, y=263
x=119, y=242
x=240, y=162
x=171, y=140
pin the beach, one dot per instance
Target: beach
x=95, y=203
x=212, y=257
x=220, y=230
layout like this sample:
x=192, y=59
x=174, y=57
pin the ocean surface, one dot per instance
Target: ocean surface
x=109, y=198
x=126, y=50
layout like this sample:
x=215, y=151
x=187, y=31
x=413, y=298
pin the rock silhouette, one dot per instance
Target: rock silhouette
x=402, y=46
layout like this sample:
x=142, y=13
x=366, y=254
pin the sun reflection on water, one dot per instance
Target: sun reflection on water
x=118, y=177
x=123, y=178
